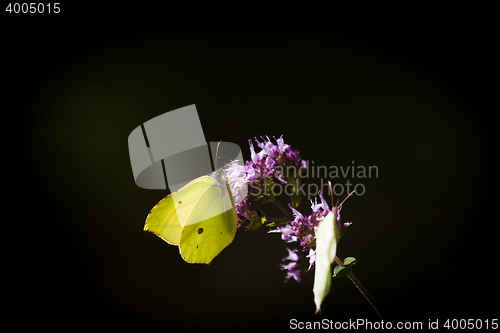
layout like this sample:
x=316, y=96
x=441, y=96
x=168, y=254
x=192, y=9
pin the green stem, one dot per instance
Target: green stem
x=278, y=219
x=283, y=209
x=362, y=290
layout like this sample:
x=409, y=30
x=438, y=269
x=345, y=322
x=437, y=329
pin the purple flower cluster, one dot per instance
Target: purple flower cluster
x=236, y=176
x=302, y=231
x=248, y=217
x=293, y=267
x=267, y=167
x=273, y=164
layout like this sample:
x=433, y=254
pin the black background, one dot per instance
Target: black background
x=408, y=90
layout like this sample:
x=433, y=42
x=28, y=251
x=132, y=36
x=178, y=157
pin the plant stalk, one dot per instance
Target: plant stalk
x=362, y=290
x=283, y=209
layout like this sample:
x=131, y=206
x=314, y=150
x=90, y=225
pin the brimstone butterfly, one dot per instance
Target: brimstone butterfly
x=200, y=218
x=327, y=237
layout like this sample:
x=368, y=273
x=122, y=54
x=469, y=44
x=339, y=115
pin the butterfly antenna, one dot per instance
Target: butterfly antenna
x=217, y=154
x=331, y=191
x=340, y=206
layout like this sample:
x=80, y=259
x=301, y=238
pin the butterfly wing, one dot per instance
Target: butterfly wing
x=168, y=217
x=200, y=218
x=327, y=236
x=201, y=242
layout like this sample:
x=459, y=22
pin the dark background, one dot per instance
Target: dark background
x=410, y=93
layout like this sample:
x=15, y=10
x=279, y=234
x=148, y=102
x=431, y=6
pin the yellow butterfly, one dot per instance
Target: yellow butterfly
x=200, y=218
